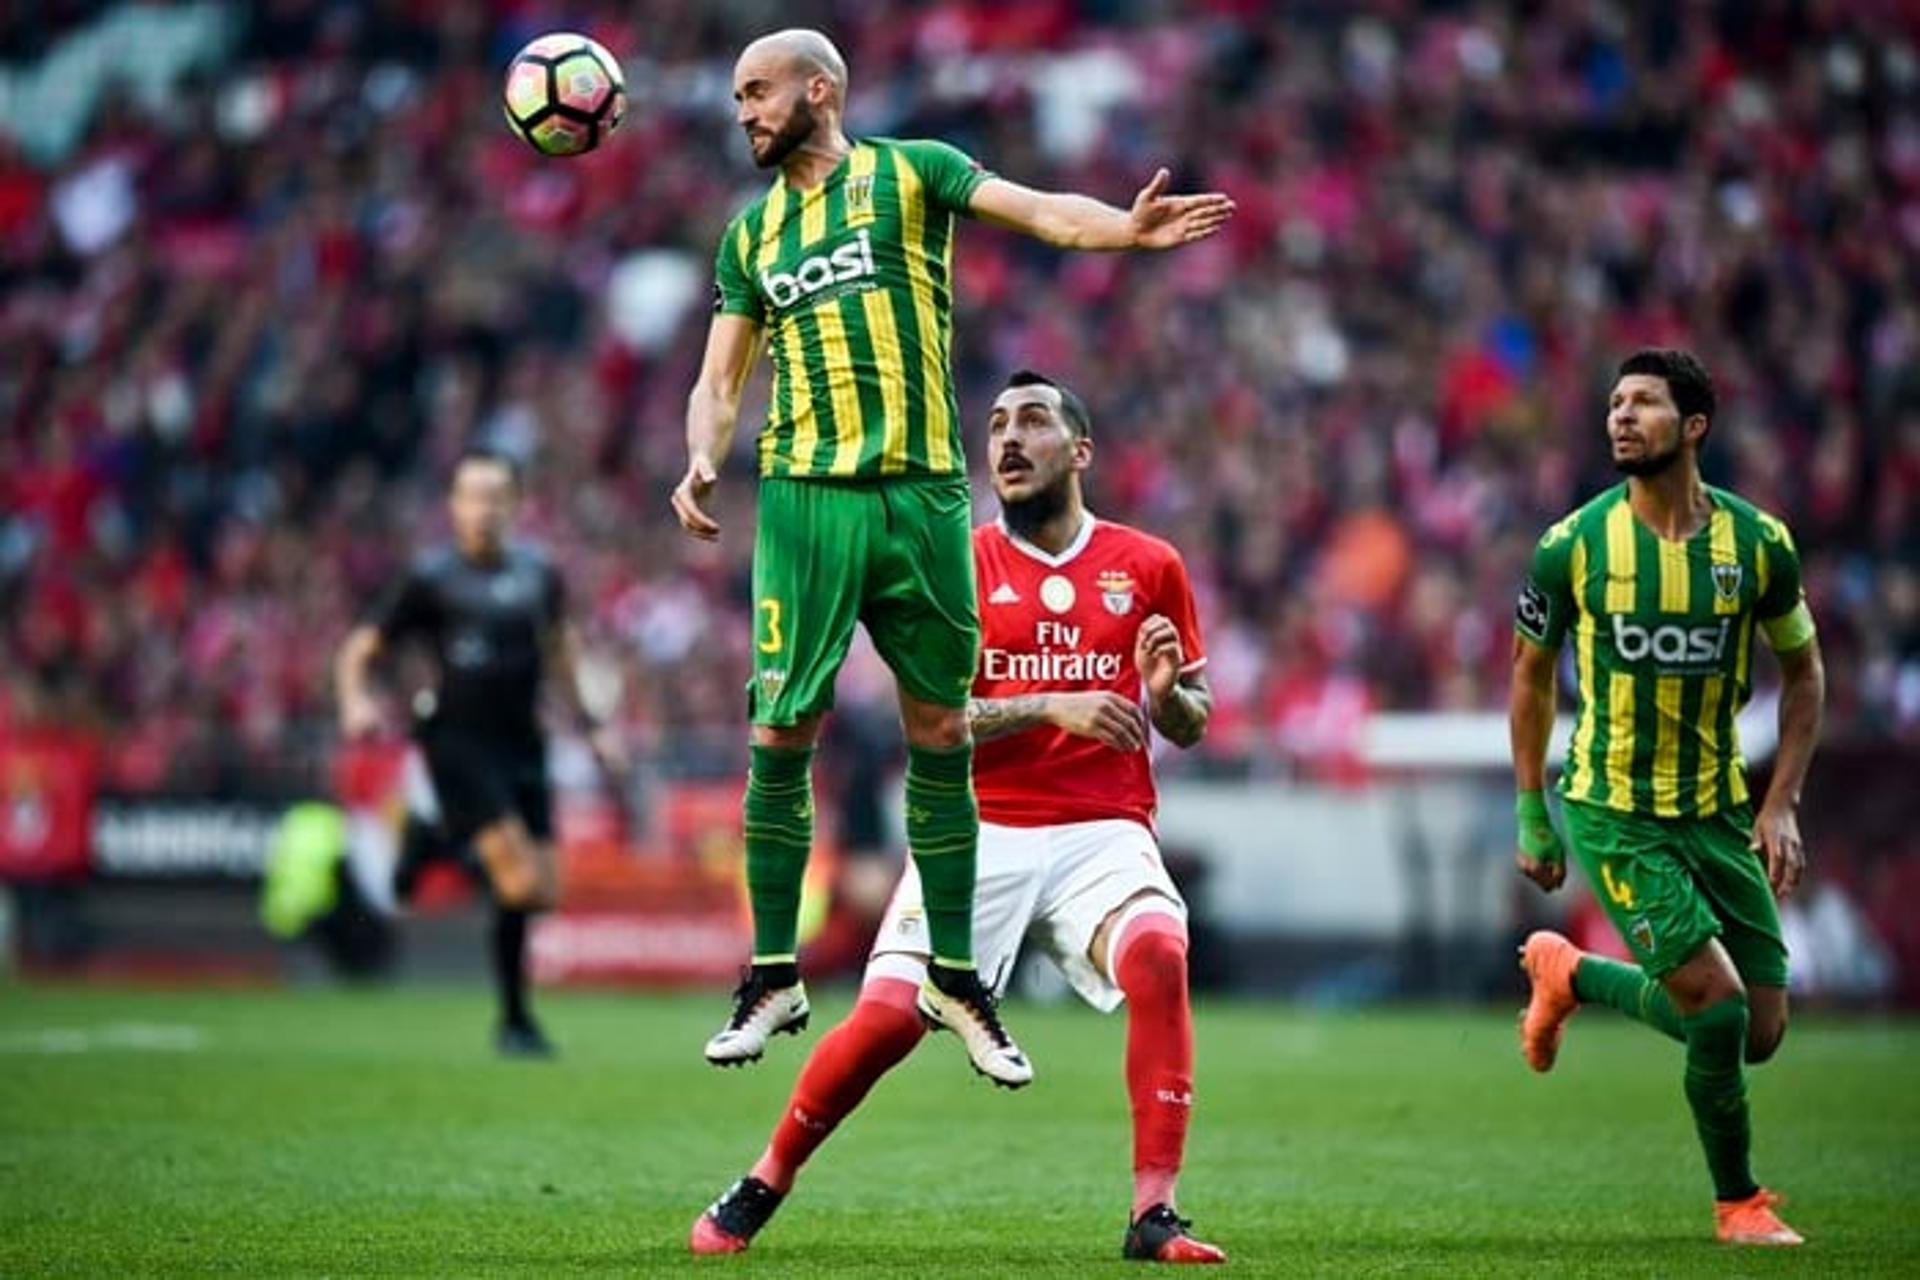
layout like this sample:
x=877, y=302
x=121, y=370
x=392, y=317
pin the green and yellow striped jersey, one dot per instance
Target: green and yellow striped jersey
x=1663, y=646
x=853, y=283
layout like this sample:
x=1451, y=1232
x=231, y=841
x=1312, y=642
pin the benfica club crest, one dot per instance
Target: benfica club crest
x=1116, y=591
x=1726, y=581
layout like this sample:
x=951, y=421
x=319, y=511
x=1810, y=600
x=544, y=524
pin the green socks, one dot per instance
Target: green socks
x=943, y=830
x=779, y=821
x=1599, y=980
x=1717, y=1091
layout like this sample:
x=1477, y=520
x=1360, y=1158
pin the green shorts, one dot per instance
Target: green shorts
x=1669, y=884
x=895, y=555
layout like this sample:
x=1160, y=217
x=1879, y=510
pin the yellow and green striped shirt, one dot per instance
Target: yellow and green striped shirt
x=853, y=282
x=1663, y=646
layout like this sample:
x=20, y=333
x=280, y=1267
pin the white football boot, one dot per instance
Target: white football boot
x=759, y=1012
x=957, y=1000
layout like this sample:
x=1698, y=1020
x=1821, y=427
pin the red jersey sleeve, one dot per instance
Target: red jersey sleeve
x=1174, y=598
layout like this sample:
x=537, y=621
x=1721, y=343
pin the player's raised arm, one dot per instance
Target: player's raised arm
x=713, y=411
x=1156, y=220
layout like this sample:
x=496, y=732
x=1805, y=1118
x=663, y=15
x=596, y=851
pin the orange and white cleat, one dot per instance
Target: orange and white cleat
x=1549, y=960
x=1752, y=1221
x=1160, y=1235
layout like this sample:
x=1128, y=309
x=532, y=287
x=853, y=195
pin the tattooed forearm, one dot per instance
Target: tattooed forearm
x=997, y=717
x=1181, y=717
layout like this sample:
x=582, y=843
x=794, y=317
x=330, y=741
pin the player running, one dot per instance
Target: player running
x=493, y=613
x=1661, y=583
x=1085, y=621
x=844, y=268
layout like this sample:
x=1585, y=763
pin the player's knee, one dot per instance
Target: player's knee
x=1763, y=1039
x=1153, y=963
x=928, y=725
x=787, y=737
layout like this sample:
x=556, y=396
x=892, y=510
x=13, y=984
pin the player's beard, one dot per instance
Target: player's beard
x=1027, y=516
x=792, y=135
x=1648, y=464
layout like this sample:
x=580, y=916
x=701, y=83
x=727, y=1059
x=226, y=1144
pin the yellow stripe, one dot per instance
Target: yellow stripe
x=806, y=427
x=1620, y=740
x=860, y=173
x=1712, y=689
x=850, y=431
x=1622, y=558
x=806, y=431
x=1676, y=577
x=1738, y=779
x=1579, y=758
x=893, y=378
x=933, y=373
x=772, y=217
x=1725, y=549
x=1666, y=747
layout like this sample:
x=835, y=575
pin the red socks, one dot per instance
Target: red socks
x=882, y=1029
x=1150, y=965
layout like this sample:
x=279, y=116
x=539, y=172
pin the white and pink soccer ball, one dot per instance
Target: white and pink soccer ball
x=564, y=94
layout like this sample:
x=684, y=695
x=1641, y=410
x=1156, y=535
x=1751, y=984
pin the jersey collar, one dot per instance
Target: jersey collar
x=1066, y=556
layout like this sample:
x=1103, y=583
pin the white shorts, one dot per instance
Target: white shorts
x=1054, y=883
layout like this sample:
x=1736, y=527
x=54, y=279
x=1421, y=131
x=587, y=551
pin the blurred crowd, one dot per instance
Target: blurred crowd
x=248, y=317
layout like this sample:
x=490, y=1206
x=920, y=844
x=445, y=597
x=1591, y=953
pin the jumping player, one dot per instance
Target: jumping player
x=1086, y=624
x=844, y=268
x=1661, y=583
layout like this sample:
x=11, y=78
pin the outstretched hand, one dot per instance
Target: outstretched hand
x=1161, y=221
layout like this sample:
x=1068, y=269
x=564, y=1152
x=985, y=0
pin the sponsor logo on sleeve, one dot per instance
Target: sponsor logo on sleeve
x=1531, y=611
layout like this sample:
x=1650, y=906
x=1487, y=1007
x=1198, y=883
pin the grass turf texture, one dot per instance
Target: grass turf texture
x=356, y=1133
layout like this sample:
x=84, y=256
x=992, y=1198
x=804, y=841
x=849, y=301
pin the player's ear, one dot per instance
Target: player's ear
x=1694, y=430
x=1082, y=452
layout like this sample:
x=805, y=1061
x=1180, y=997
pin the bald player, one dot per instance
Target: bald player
x=844, y=268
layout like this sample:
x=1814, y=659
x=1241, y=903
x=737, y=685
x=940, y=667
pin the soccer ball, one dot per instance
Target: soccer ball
x=564, y=94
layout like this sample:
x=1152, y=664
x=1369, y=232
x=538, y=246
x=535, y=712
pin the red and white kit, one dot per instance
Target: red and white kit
x=1066, y=822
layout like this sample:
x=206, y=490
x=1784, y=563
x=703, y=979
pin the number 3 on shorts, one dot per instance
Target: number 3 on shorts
x=774, y=642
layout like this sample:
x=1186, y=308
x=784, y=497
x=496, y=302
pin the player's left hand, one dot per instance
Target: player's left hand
x=1157, y=652
x=1776, y=837
x=1161, y=221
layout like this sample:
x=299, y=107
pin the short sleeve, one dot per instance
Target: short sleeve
x=1782, y=610
x=407, y=607
x=1783, y=589
x=1175, y=600
x=733, y=290
x=1546, y=605
x=950, y=175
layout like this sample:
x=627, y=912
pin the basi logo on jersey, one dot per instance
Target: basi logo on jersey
x=840, y=268
x=1670, y=643
x=1116, y=591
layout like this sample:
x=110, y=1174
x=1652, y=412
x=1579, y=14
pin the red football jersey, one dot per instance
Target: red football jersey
x=1061, y=624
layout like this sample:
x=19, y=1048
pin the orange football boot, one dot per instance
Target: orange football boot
x=1549, y=960
x=1752, y=1221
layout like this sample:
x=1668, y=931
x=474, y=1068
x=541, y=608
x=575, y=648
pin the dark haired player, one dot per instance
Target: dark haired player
x=1660, y=583
x=492, y=611
x=843, y=270
x=1090, y=639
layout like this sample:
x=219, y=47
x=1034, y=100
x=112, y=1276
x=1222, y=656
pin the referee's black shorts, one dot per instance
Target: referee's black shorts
x=481, y=778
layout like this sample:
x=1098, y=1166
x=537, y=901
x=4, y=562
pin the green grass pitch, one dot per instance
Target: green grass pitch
x=344, y=1133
